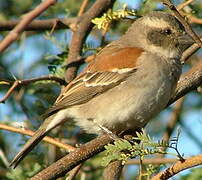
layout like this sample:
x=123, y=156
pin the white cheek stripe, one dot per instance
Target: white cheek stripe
x=155, y=22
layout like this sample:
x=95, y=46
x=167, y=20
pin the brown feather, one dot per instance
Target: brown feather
x=97, y=77
x=116, y=59
x=38, y=136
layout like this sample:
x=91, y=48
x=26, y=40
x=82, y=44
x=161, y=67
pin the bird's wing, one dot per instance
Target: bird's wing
x=106, y=72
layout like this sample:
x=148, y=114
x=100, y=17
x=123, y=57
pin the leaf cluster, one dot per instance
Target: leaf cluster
x=140, y=146
x=104, y=21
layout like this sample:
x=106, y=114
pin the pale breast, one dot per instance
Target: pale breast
x=134, y=102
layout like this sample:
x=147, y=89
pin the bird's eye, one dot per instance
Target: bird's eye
x=167, y=31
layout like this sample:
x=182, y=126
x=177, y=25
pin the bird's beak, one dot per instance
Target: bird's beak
x=185, y=40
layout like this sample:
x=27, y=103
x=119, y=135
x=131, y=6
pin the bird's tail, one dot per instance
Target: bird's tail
x=50, y=123
x=32, y=142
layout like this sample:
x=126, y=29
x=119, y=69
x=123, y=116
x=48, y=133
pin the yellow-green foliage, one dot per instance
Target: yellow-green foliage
x=104, y=21
x=140, y=146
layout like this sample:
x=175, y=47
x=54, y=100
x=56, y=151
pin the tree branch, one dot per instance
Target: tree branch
x=65, y=164
x=152, y=161
x=14, y=34
x=40, y=25
x=83, y=7
x=47, y=139
x=193, y=19
x=189, y=52
x=25, y=82
x=113, y=170
x=184, y=4
x=178, y=167
x=74, y=172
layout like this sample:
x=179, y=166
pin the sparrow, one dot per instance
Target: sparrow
x=129, y=81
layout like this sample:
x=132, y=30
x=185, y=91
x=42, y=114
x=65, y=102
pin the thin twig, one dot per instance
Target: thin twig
x=178, y=167
x=83, y=7
x=189, y=52
x=74, y=172
x=25, y=82
x=9, y=92
x=47, y=139
x=193, y=19
x=152, y=161
x=27, y=19
x=184, y=4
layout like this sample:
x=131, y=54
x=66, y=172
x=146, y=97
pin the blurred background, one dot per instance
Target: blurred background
x=39, y=53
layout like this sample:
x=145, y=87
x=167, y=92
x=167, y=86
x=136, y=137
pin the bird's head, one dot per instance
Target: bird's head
x=160, y=33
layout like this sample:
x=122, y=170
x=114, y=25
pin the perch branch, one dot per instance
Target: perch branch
x=65, y=164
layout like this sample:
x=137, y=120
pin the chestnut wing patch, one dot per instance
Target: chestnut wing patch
x=110, y=67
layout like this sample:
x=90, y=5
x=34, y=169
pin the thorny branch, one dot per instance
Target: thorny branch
x=25, y=82
x=19, y=83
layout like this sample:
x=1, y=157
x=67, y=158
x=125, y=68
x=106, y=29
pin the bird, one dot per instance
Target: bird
x=127, y=83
